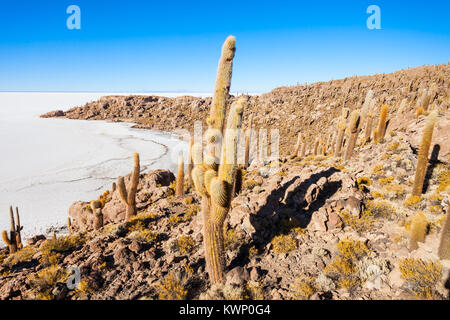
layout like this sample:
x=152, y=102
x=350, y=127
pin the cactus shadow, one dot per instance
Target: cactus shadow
x=269, y=220
x=433, y=162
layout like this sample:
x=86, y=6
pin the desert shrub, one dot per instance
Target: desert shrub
x=172, y=287
x=381, y=208
x=253, y=290
x=284, y=243
x=443, y=180
x=394, y=191
x=385, y=181
x=364, y=223
x=45, y=280
x=413, y=202
x=55, y=246
x=83, y=291
x=250, y=184
x=24, y=254
x=421, y=276
x=343, y=270
x=304, y=287
x=363, y=183
x=191, y=212
x=145, y=235
x=352, y=249
x=185, y=244
x=377, y=170
x=174, y=220
x=231, y=239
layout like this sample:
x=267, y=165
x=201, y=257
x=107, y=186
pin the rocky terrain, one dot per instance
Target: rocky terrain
x=289, y=109
x=318, y=227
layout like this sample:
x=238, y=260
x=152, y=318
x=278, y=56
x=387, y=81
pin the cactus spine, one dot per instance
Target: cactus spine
x=14, y=241
x=422, y=158
x=179, y=191
x=353, y=129
x=216, y=183
x=129, y=197
x=444, y=245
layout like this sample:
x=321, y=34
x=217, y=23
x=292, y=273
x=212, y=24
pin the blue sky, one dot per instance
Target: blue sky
x=135, y=46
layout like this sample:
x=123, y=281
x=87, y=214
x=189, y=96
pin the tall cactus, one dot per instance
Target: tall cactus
x=179, y=191
x=353, y=129
x=216, y=182
x=14, y=240
x=129, y=197
x=422, y=158
x=381, y=130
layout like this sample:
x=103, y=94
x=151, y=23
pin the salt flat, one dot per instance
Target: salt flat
x=46, y=164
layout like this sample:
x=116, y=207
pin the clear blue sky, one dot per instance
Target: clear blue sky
x=133, y=46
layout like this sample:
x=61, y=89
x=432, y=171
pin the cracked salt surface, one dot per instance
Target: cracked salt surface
x=47, y=164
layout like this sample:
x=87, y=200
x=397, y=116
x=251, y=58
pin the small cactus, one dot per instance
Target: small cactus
x=96, y=207
x=129, y=197
x=179, y=191
x=422, y=158
x=419, y=226
x=444, y=245
x=69, y=225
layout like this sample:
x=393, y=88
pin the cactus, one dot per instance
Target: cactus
x=422, y=158
x=190, y=165
x=353, y=131
x=402, y=107
x=247, y=142
x=368, y=130
x=18, y=229
x=96, y=207
x=216, y=183
x=297, y=146
x=381, y=130
x=179, y=191
x=69, y=225
x=340, y=138
x=113, y=187
x=129, y=197
x=304, y=145
x=419, y=226
x=444, y=245
x=316, y=146
x=11, y=241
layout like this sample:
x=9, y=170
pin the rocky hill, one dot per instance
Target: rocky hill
x=325, y=224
